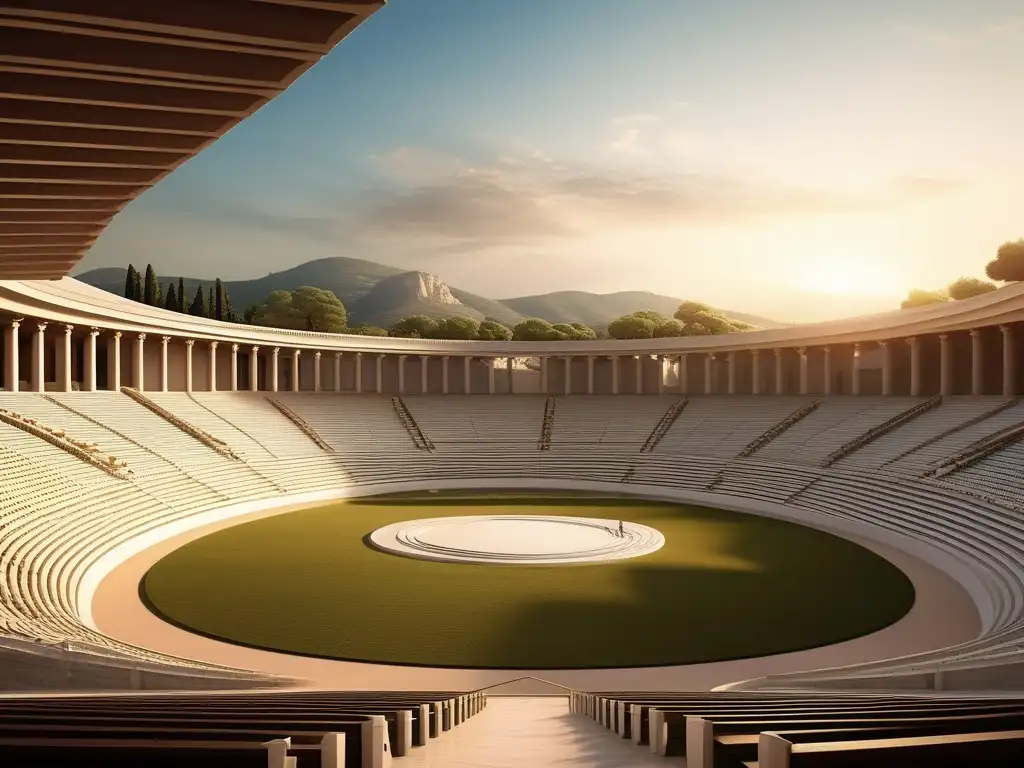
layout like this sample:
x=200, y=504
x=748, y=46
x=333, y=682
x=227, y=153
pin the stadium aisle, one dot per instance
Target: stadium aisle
x=516, y=731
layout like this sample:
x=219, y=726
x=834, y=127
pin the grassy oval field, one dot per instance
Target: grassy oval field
x=724, y=586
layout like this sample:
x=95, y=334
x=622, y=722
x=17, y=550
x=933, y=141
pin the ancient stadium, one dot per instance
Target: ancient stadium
x=226, y=545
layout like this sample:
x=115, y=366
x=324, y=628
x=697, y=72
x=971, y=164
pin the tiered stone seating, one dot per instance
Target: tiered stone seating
x=837, y=421
x=250, y=413
x=192, y=410
x=241, y=730
x=723, y=426
x=932, y=424
x=816, y=731
x=352, y=422
x=498, y=419
x=929, y=454
x=615, y=420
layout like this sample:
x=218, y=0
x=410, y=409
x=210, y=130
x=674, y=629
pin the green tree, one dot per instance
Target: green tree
x=1008, y=265
x=920, y=298
x=198, y=306
x=182, y=296
x=967, y=287
x=631, y=327
x=584, y=332
x=415, y=327
x=129, y=283
x=137, y=286
x=150, y=287
x=668, y=329
x=534, y=329
x=363, y=329
x=218, y=299
x=171, y=302
x=699, y=319
x=209, y=302
x=304, y=309
x=457, y=328
x=492, y=330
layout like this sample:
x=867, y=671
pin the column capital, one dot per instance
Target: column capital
x=400, y=357
x=975, y=333
x=296, y=352
x=318, y=354
x=711, y=355
x=883, y=343
x=164, y=340
x=911, y=340
x=68, y=328
x=381, y=355
x=943, y=337
x=214, y=344
x=141, y=337
x=94, y=332
x=445, y=357
x=117, y=334
x=234, y=347
x=255, y=350
x=755, y=352
x=337, y=355
x=731, y=354
x=827, y=349
x=41, y=326
x=276, y=351
x=16, y=322
x=1005, y=329
x=802, y=351
x=777, y=351
x=190, y=343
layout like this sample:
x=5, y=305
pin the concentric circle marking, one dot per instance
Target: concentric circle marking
x=518, y=539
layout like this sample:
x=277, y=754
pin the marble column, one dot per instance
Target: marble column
x=855, y=377
x=424, y=370
x=977, y=363
x=114, y=362
x=39, y=358
x=731, y=372
x=804, y=372
x=317, y=380
x=491, y=387
x=709, y=373
x=65, y=359
x=467, y=372
x=12, y=374
x=296, y=369
x=359, y=373
x=568, y=375
x=89, y=364
x=945, y=378
x=275, y=357
x=211, y=373
x=684, y=374
x=1009, y=362
x=544, y=375
x=234, y=367
x=638, y=384
x=509, y=367
x=615, y=373
x=886, y=367
x=590, y=374
x=661, y=373
x=401, y=374
x=337, y=371
x=189, y=343
x=755, y=371
x=378, y=377
x=827, y=369
x=915, y=366
x=139, y=363
x=164, y=366
x=444, y=374
x=780, y=378
x=254, y=370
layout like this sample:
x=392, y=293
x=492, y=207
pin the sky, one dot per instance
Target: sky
x=796, y=159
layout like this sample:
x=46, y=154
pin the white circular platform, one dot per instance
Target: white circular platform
x=517, y=539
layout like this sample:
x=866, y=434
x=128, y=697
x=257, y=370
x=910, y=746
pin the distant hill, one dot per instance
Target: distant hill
x=599, y=309
x=380, y=295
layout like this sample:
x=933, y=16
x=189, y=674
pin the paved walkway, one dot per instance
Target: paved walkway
x=513, y=732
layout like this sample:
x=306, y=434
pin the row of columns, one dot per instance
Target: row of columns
x=64, y=368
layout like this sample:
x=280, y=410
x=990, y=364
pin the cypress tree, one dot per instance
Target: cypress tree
x=129, y=283
x=198, y=308
x=229, y=313
x=182, y=296
x=149, y=288
x=171, y=302
x=218, y=300
x=209, y=302
x=137, y=286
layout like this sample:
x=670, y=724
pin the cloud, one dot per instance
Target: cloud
x=1010, y=28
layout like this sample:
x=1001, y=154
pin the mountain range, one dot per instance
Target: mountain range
x=381, y=295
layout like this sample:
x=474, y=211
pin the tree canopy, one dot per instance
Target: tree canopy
x=457, y=328
x=633, y=326
x=1008, y=265
x=921, y=298
x=364, y=329
x=492, y=330
x=534, y=329
x=415, y=327
x=968, y=287
x=304, y=309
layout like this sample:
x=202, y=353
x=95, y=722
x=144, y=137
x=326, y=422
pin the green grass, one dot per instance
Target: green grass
x=724, y=586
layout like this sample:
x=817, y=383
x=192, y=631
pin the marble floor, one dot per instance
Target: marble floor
x=525, y=731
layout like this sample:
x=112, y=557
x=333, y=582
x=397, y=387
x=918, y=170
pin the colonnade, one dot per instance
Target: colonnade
x=930, y=364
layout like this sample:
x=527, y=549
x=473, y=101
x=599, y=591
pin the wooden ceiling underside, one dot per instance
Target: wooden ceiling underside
x=99, y=99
